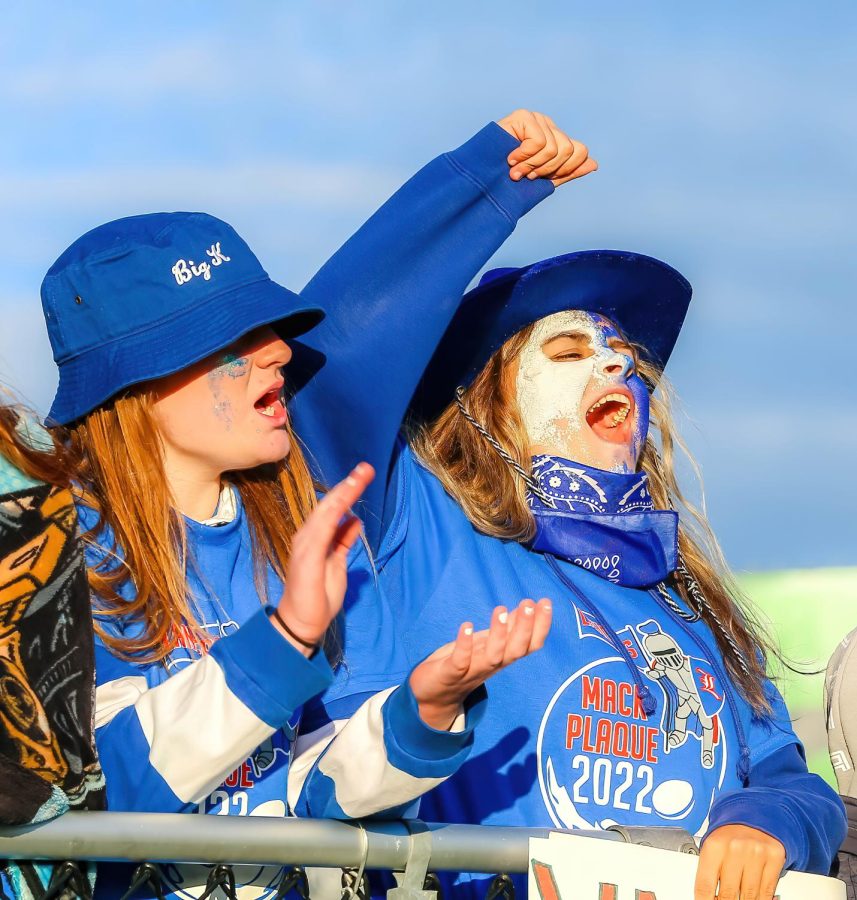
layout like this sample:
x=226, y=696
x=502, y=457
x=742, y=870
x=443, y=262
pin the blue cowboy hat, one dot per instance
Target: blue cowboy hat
x=146, y=296
x=645, y=297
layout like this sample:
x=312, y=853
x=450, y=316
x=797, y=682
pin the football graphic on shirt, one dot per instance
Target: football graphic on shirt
x=604, y=761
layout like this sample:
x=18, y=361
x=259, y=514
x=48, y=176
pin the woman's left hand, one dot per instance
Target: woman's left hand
x=442, y=682
x=746, y=862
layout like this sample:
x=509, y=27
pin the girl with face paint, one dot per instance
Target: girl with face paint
x=217, y=566
x=595, y=411
x=537, y=461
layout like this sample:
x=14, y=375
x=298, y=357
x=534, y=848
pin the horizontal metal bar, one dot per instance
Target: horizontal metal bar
x=171, y=837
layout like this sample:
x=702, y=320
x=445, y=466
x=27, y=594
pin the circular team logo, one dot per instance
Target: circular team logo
x=603, y=761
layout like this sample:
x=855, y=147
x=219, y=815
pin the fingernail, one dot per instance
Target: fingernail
x=532, y=175
x=469, y=629
x=503, y=617
x=528, y=610
x=547, y=607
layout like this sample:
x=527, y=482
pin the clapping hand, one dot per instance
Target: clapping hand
x=317, y=574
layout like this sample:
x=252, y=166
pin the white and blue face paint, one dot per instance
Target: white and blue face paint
x=586, y=412
x=578, y=392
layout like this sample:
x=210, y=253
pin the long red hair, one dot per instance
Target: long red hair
x=117, y=463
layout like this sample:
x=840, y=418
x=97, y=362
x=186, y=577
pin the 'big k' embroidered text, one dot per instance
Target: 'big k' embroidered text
x=184, y=270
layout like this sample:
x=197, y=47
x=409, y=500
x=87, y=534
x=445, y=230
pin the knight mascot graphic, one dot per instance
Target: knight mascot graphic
x=597, y=748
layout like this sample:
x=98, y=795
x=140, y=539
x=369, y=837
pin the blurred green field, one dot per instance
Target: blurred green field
x=808, y=611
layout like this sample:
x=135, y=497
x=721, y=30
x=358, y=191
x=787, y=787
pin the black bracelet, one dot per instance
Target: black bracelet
x=309, y=645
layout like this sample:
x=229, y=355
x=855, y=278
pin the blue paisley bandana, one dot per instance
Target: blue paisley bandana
x=602, y=521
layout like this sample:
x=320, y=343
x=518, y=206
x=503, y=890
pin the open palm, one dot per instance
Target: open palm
x=442, y=681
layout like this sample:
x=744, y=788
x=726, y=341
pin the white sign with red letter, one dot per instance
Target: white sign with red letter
x=570, y=867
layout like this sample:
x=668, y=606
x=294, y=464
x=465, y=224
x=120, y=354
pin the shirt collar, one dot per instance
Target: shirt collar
x=227, y=508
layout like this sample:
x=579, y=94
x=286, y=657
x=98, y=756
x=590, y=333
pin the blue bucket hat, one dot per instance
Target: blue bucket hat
x=645, y=297
x=147, y=296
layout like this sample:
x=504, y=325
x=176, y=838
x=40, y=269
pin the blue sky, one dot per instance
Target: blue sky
x=725, y=134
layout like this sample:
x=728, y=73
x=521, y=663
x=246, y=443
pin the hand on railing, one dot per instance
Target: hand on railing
x=441, y=682
x=317, y=576
x=737, y=860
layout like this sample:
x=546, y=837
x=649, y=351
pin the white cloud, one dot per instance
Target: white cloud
x=133, y=78
x=52, y=209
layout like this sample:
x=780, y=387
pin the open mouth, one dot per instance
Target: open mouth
x=271, y=404
x=611, y=417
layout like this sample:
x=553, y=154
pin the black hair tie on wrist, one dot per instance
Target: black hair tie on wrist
x=310, y=645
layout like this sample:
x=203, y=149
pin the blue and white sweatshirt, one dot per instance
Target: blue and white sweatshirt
x=213, y=730
x=581, y=748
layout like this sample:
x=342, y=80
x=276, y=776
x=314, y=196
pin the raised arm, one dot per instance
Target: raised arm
x=391, y=290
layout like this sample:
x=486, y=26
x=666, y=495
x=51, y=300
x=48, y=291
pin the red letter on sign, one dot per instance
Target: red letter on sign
x=545, y=881
x=548, y=890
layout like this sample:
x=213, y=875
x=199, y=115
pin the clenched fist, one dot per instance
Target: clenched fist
x=546, y=151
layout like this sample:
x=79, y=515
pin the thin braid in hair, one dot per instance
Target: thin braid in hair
x=525, y=476
x=694, y=591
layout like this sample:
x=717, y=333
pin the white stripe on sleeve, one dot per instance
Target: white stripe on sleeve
x=356, y=761
x=114, y=696
x=198, y=731
x=307, y=749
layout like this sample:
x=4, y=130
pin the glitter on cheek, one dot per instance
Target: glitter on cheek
x=230, y=366
x=233, y=366
x=222, y=406
x=223, y=411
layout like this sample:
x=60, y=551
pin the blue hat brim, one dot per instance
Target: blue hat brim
x=645, y=297
x=90, y=379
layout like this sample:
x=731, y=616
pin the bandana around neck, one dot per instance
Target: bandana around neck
x=602, y=521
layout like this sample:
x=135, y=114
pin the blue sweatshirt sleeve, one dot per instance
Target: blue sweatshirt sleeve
x=401, y=757
x=789, y=803
x=390, y=292
x=166, y=744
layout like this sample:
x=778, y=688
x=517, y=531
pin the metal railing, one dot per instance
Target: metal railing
x=413, y=848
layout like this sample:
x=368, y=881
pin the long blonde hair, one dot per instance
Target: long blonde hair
x=117, y=462
x=493, y=497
